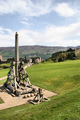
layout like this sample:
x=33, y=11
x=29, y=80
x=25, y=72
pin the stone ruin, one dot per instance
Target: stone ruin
x=18, y=82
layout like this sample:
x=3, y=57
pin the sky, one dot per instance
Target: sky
x=40, y=22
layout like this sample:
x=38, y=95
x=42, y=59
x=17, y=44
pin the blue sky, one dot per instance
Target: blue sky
x=40, y=22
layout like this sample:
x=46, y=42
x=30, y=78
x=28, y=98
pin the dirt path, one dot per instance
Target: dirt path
x=3, y=78
x=28, y=65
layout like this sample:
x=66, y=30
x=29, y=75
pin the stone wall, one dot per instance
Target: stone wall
x=36, y=59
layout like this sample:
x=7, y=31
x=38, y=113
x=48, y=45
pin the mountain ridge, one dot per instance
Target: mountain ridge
x=32, y=51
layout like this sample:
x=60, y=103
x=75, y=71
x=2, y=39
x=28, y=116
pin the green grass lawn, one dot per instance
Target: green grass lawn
x=2, y=81
x=56, y=77
x=0, y=101
x=62, y=78
x=3, y=72
x=5, y=64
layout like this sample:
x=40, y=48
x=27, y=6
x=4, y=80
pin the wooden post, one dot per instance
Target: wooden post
x=16, y=57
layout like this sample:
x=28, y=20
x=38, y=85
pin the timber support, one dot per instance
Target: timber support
x=18, y=81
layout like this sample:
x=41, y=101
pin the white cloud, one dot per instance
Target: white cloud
x=25, y=7
x=6, y=37
x=28, y=8
x=26, y=37
x=63, y=9
x=63, y=35
x=25, y=23
x=53, y=35
x=34, y=8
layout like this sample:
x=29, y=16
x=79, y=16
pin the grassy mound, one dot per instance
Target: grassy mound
x=62, y=78
x=57, y=77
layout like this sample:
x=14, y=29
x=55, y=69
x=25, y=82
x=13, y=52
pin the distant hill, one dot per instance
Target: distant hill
x=30, y=51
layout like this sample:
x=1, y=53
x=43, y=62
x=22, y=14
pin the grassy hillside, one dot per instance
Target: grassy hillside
x=62, y=78
x=57, y=77
x=30, y=51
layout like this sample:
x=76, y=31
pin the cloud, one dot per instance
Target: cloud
x=25, y=23
x=30, y=8
x=63, y=9
x=51, y=35
x=25, y=7
x=63, y=35
x=26, y=37
x=6, y=37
